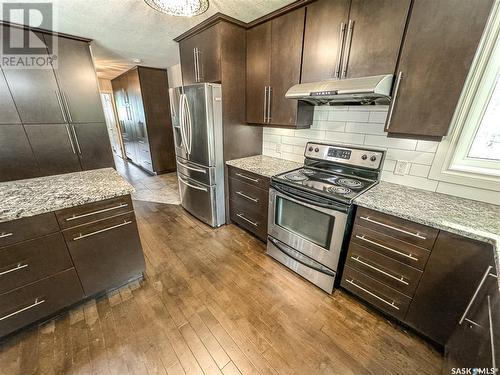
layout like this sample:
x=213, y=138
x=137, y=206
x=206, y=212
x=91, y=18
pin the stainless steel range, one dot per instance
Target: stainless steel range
x=310, y=208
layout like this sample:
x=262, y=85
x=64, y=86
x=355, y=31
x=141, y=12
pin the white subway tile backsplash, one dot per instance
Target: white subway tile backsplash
x=412, y=156
x=364, y=125
x=383, y=141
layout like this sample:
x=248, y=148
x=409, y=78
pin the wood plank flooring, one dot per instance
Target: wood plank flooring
x=212, y=302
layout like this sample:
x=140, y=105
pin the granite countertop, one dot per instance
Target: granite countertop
x=264, y=165
x=465, y=217
x=36, y=196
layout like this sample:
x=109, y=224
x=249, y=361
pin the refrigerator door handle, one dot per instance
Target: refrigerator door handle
x=181, y=121
x=187, y=124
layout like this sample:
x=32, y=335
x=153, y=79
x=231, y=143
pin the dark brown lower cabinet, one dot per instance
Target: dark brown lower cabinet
x=35, y=301
x=106, y=253
x=16, y=158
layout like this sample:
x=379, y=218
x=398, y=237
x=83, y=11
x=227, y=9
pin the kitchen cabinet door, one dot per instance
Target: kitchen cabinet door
x=92, y=142
x=78, y=81
x=8, y=111
x=374, y=40
x=54, y=148
x=17, y=161
x=287, y=33
x=258, y=71
x=453, y=271
x=323, y=39
x=200, y=57
x=438, y=49
x=137, y=107
x=35, y=92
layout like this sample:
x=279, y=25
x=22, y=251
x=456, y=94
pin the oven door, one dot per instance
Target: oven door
x=306, y=226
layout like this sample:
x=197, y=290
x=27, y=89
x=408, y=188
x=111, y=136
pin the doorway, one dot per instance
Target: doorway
x=111, y=124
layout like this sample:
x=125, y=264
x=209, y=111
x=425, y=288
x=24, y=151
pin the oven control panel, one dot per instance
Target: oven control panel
x=356, y=157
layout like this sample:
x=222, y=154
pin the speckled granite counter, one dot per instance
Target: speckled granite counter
x=35, y=196
x=465, y=217
x=264, y=165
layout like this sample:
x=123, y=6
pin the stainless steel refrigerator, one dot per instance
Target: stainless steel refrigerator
x=197, y=123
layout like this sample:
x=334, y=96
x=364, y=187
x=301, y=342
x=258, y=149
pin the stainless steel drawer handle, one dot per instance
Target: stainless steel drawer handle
x=241, y=216
x=37, y=302
x=192, y=168
x=247, y=197
x=476, y=292
x=18, y=267
x=74, y=217
x=81, y=236
x=418, y=235
x=392, y=304
x=191, y=185
x=400, y=279
x=247, y=178
x=6, y=234
x=141, y=142
x=409, y=256
x=492, y=335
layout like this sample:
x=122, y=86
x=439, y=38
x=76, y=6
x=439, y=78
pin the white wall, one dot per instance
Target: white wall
x=174, y=76
x=364, y=125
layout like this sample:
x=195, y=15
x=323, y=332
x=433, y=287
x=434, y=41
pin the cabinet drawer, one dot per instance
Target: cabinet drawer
x=106, y=253
x=249, y=177
x=253, y=196
x=27, y=228
x=391, y=247
x=71, y=217
x=249, y=218
x=28, y=261
x=401, y=229
x=379, y=295
x=397, y=275
x=35, y=301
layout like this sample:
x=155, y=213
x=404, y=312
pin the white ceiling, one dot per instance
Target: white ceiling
x=123, y=30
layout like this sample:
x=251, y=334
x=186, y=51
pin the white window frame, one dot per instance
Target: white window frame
x=451, y=163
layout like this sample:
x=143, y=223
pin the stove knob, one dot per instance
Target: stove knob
x=373, y=158
x=364, y=157
x=311, y=149
x=316, y=149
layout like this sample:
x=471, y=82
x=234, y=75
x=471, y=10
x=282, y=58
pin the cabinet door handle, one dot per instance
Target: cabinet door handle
x=492, y=335
x=399, y=279
x=265, y=103
x=474, y=296
x=393, y=101
x=65, y=100
x=18, y=267
x=247, y=197
x=74, y=217
x=418, y=235
x=76, y=139
x=200, y=65
x=6, y=234
x=269, y=104
x=241, y=216
x=81, y=236
x=70, y=138
x=59, y=101
x=195, y=57
x=392, y=304
x=339, y=53
x=347, y=52
x=38, y=301
x=247, y=178
x=409, y=256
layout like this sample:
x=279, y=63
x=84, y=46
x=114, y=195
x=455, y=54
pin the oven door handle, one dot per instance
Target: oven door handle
x=311, y=265
x=300, y=198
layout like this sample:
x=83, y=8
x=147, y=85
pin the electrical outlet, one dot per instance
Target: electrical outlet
x=402, y=167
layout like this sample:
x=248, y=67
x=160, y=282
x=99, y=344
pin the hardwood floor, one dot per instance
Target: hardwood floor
x=212, y=302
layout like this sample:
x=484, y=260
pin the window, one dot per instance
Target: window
x=470, y=155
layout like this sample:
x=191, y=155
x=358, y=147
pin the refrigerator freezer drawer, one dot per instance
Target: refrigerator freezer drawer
x=199, y=173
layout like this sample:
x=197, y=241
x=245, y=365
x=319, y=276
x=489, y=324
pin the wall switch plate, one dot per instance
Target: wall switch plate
x=402, y=167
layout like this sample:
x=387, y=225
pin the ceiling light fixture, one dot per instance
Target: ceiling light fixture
x=182, y=8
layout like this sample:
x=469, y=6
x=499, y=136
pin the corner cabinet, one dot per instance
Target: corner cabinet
x=437, y=52
x=274, y=60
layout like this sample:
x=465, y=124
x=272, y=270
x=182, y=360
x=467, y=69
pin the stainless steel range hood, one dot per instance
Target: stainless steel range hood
x=351, y=90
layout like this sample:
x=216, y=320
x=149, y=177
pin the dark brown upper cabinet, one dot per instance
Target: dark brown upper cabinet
x=8, y=111
x=438, y=49
x=200, y=56
x=279, y=67
x=78, y=81
x=349, y=39
x=35, y=92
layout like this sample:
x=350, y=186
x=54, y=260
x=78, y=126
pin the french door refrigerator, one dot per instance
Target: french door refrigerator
x=197, y=122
